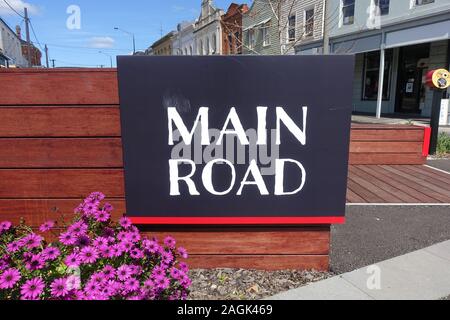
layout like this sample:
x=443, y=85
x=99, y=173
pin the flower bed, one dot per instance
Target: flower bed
x=94, y=259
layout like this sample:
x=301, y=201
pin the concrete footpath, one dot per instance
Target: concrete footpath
x=420, y=275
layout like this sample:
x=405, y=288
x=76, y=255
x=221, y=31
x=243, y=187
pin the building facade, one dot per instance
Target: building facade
x=303, y=25
x=184, y=39
x=260, y=30
x=232, y=29
x=208, y=29
x=36, y=55
x=395, y=43
x=11, y=47
x=164, y=46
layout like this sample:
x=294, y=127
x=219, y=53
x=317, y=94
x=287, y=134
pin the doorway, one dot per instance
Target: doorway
x=413, y=65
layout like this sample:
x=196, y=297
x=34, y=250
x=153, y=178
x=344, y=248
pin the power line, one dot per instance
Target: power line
x=12, y=8
x=34, y=34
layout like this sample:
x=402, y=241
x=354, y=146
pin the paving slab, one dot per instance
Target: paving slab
x=416, y=276
x=335, y=288
x=420, y=275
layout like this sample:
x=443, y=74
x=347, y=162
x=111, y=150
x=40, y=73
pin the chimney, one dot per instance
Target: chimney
x=19, y=32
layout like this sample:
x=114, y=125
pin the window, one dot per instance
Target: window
x=214, y=44
x=191, y=51
x=265, y=34
x=371, y=75
x=291, y=28
x=309, y=22
x=251, y=39
x=208, y=48
x=200, y=49
x=383, y=5
x=422, y=2
x=348, y=12
x=185, y=52
x=230, y=44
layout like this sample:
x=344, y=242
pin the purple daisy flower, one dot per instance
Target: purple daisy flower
x=3, y=265
x=32, y=289
x=162, y=283
x=83, y=241
x=133, y=237
x=59, y=288
x=51, y=253
x=13, y=247
x=125, y=222
x=5, y=226
x=67, y=238
x=136, y=254
x=184, y=267
x=175, y=273
x=121, y=236
x=116, y=250
x=106, y=252
x=151, y=246
x=126, y=246
x=97, y=196
x=148, y=285
x=100, y=242
x=170, y=242
x=108, y=207
x=36, y=262
x=124, y=272
x=183, y=252
x=92, y=289
x=167, y=257
x=73, y=260
x=73, y=282
x=78, y=228
x=9, y=278
x=31, y=241
x=131, y=285
x=47, y=226
x=108, y=233
x=185, y=282
x=102, y=216
x=99, y=278
x=88, y=255
x=159, y=272
x=109, y=272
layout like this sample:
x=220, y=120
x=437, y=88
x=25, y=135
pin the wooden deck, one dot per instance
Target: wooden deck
x=397, y=184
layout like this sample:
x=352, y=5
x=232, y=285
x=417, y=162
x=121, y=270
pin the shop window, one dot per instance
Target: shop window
x=371, y=75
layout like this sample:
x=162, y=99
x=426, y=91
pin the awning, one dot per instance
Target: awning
x=257, y=24
x=417, y=35
x=365, y=44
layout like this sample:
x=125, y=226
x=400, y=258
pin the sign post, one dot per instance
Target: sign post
x=438, y=80
x=239, y=140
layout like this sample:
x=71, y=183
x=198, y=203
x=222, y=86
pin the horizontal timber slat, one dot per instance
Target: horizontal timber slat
x=59, y=87
x=45, y=183
x=252, y=240
x=260, y=262
x=93, y=121
x=61, y=153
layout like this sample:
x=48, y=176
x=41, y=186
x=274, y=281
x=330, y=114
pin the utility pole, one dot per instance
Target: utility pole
x=27, y=29
x=46, y=56
x=326, y=38
x=53, y=63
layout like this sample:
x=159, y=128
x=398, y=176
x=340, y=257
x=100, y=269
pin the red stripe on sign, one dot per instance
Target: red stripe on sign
x=426, y=142
x=237, y=220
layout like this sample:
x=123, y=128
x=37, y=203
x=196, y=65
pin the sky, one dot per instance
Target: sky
x=88, y=39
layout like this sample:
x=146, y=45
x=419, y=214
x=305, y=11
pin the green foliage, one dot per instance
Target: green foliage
x=443, y=143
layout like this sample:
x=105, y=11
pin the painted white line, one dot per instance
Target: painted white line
x=398, y=204
x=443, y=171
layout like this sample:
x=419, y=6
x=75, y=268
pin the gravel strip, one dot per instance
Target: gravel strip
x=232, y=284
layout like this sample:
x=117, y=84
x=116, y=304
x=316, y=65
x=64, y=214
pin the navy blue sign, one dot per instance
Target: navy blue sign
x=236, y=139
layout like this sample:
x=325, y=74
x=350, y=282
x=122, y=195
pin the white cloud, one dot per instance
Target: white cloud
x=18, y=5
x=101, y=42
